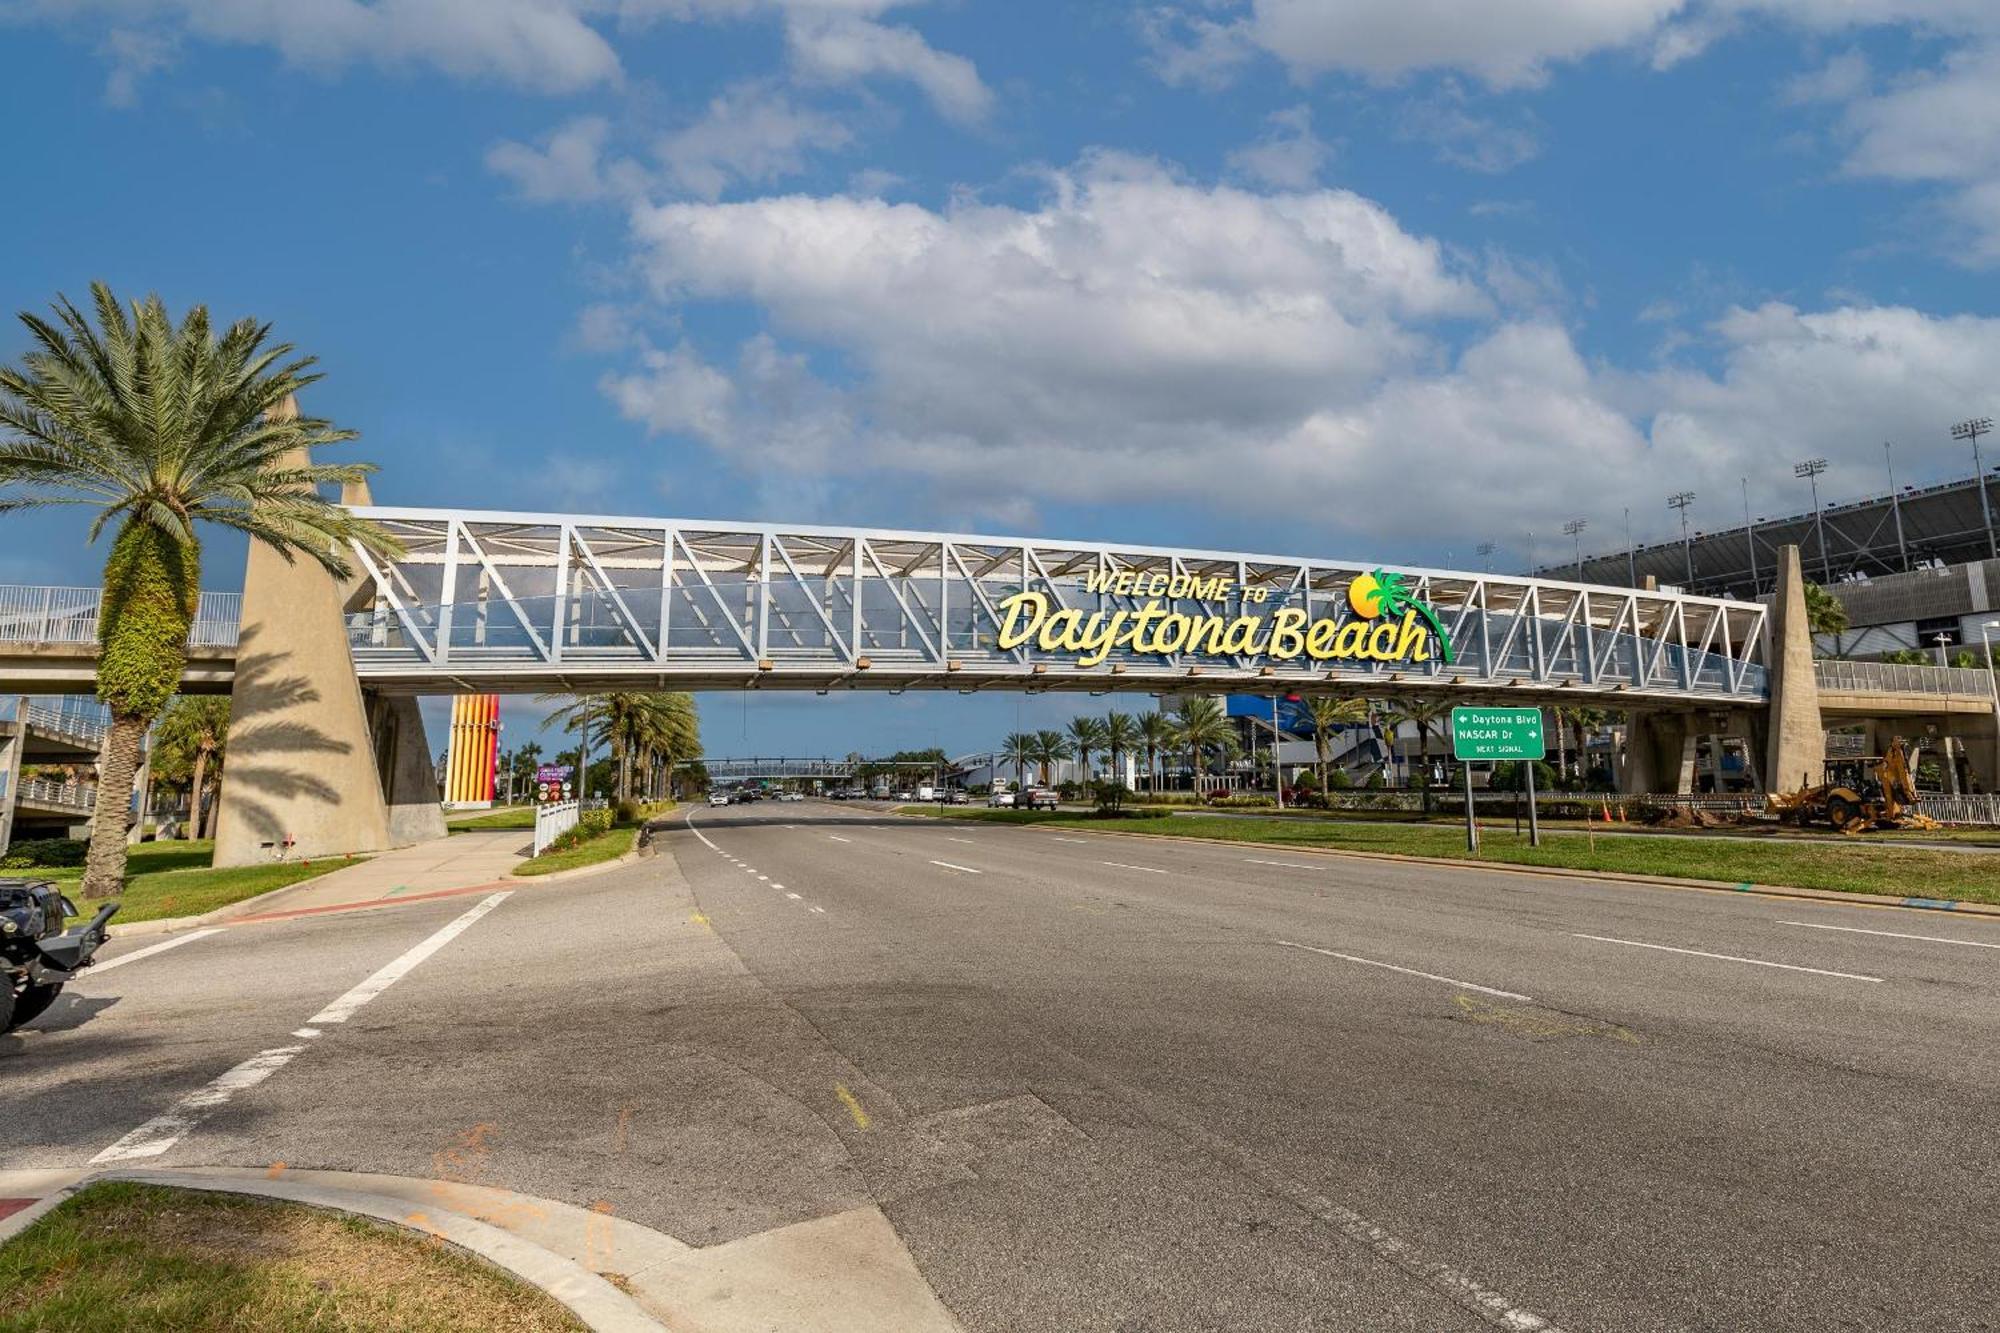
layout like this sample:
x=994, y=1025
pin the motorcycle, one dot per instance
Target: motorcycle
x=37, y=956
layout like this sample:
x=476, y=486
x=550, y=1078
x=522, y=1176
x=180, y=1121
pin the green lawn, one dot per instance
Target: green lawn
x=608, y=846
x=516, y=817
x=1981, y=837
x=1842, y=865
x=175, y=879
x=121, y=1258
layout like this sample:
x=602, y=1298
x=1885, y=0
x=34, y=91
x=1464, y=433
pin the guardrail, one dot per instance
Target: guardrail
x=74, y=795
x=69, y=615
x=1894, y=678
x=68, y=722
x=1984, y=809
x=554, y=819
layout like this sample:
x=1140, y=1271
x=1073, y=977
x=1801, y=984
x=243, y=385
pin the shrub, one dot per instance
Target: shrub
x=1338, y=779
x=45, y=853
x=1109, y=797
x=630, y=812
x=593, y=822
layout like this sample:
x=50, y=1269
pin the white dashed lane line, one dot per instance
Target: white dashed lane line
x=1289, y=865
x=949, y=866
x=1151, y=870
x=1726, y=957
x=99, y=969
x=837, y=838
x=1895, y=934
x=1406, y=971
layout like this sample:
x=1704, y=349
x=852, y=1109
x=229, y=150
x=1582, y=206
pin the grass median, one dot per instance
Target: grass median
x=1846, y=867
x=166, y=879
x=121, y=1256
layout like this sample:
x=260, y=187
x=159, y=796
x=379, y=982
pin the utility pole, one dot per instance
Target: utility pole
x=1681, y=500
x=1810, y=470
x=1972, y=430
x=1574, y=528
x=1896, y=506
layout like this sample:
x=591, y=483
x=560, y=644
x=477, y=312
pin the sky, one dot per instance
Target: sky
x=1379, y=280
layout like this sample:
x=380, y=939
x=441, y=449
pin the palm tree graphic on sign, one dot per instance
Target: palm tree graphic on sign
x=1380, y=593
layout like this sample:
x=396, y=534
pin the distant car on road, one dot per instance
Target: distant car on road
x=1001, y=800
x=959, y=798
x=791, y=796
x=718, y=798
x=1039, y=798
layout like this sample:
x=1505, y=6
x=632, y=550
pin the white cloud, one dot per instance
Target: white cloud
x=134, y=53
x=568, y=166
x=1137, y=338
x=1464, y=139
x=1842, y=77
x=844, y=49
x=753, y=133
x=1289, y=155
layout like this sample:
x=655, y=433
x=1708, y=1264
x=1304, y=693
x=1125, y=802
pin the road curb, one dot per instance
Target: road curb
x=1955, y=906
x=167, y=925
x=601, y=1306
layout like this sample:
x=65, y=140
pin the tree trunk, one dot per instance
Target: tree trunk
x=104, y=866
x=214, y=808
x=192, y=829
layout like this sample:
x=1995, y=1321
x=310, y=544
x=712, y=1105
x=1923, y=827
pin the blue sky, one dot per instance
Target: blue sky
x=1379, y=279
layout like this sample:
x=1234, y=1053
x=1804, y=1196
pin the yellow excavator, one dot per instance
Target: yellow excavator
x=1858, y=795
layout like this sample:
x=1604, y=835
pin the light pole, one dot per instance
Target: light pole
x=1810, y=470
x=1574, y=528
x=1486, y=550
x=1631, y=552
x=1986, y=629
x=1896, y=506
x=1942, y=641
x=1750, y=536
x=1972, y=430
x=1681, y=500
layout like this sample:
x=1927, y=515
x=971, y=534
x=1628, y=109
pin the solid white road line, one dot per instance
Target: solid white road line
x=1725, y=957
x=793, y=896
x=175, y=942
x=1053, y=838
x=1151, y=870
x=837, y=838
x=1289, y=865
x=1409, y=971
x=163, y=1131
x=967, y=841
x=343, y=1008
x=1892, y=934
x=949, y=866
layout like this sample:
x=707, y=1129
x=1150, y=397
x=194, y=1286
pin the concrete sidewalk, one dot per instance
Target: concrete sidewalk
x=461, y=861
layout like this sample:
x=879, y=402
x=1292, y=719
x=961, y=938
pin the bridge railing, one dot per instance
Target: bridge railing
x=1896, y=678
x=75, y=796
x=52, y=615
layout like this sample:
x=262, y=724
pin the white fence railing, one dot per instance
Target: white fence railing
x=1983, y=809
x=554, y=819
x=74, y=795
x=66, y=721
x=69, y=615
x=1897, y=678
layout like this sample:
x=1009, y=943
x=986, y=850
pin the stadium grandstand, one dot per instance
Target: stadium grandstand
x=1909, y=530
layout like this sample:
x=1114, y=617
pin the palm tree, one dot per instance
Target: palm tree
x=187, y=746
x=1327, y=712
x=641, y=727
x=1425, y=715
x=1120, y=735
x=159, y=428
x=1201, y=727
x=1018, y=750
x=1156, y=733
x=1825, y=613
x=1050, y=749
x=1582, y=722
x=1086, y=736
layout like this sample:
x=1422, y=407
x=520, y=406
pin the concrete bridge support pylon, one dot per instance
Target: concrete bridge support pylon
x=316, y=767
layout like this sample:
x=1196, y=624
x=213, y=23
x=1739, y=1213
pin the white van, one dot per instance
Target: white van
x=927, y=793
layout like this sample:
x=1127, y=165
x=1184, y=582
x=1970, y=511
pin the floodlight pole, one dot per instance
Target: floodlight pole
x=1750, y=536
x=1810, y=470
x=1986, y=628
x=1972, y=430
x=1631, y=552
x=1681, y=500
x=1575, y=529
x=1896, y=506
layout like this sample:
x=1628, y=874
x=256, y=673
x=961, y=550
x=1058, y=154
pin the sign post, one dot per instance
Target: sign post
x=1492, y=734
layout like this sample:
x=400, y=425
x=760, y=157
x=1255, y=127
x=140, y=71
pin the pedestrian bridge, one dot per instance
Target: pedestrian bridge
x=499, y=602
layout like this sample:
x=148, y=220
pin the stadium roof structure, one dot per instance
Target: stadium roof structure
x=1911, y=529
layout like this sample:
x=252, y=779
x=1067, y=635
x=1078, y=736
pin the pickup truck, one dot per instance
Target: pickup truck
x=1037, y=798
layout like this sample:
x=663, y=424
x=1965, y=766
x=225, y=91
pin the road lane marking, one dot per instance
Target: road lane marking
x=793, y=896
x=1895, y=934
x=305, y=1032
x=853, y=1105
x=166, y=1129
x=1409, y=971
x=98, y=969
x=967, y=841
x=1289, y=865
x=837, y=838
x=765, y=878
x=820, y=910
x=949, y=866
x=1151, y=870
x=777, y=886
x=688, y=819
x=343, y=1008
x=1726, y=957
x=1053, y=838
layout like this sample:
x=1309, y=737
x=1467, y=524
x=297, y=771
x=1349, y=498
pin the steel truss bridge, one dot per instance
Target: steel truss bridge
x=735, y=770
x=508, y=602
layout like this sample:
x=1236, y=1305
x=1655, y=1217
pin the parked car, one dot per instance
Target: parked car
x=1001, y=800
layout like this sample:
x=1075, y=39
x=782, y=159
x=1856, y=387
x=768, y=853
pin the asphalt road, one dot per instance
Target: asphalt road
x=1117, y=1083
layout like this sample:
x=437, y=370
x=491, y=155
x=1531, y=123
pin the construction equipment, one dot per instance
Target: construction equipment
x=1859, y=794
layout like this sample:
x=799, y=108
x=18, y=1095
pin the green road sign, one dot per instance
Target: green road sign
x=1497, y=733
